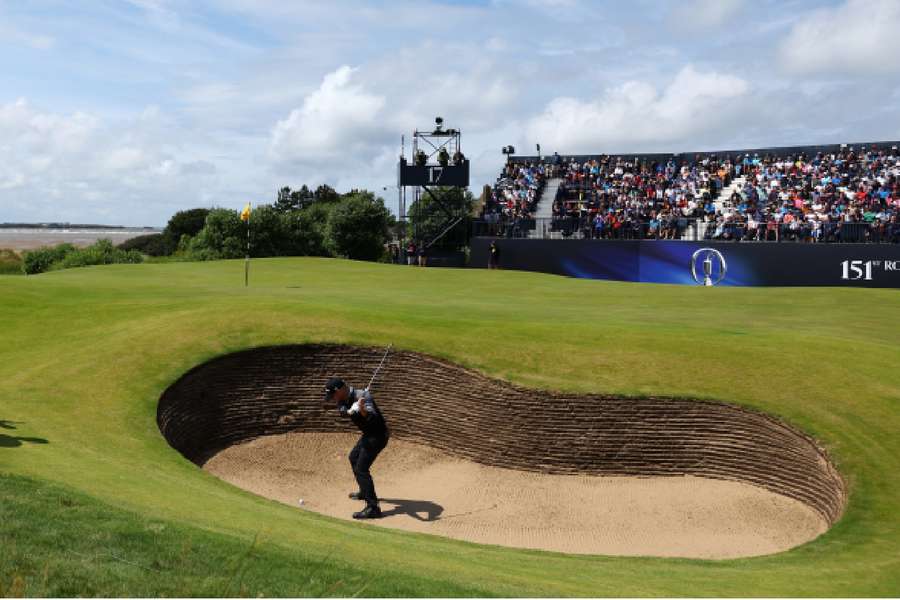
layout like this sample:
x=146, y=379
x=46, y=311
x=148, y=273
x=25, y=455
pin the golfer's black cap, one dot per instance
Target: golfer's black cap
x=333, y=384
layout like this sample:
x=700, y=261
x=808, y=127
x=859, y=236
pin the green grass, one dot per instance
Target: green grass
x=85, y=354
x=97, y=550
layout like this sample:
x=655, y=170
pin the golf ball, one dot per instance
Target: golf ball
x=301, y=502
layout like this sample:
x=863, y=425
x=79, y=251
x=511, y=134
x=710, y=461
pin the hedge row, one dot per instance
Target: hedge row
x=65, y=256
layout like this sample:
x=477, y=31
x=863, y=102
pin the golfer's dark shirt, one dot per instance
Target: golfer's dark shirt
x=373, y=423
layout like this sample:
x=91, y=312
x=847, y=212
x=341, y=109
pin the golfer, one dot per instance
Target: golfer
x=360, y=407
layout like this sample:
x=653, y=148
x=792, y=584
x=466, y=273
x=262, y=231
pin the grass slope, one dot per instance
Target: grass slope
x=85, y=354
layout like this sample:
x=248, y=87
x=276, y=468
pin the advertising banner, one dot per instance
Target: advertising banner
x=702, y=262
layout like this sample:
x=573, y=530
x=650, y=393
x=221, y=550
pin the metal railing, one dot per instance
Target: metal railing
x=688, y=229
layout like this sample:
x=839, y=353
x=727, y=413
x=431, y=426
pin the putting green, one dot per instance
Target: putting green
x=86, y=353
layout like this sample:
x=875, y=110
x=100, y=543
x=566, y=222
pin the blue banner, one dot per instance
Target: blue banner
x=701, y=263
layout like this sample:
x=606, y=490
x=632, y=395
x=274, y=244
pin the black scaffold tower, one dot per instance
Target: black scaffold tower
x=437, y=161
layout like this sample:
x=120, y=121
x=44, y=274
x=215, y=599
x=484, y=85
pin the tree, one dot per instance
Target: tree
x=354, y=225
x=325, y=193
x=304, y=231
x=284, y=202
x=431, y=218
x=154, y=244
x=223, y=236
x=184, y=222
x=267, y=232
x=289, y=200
x=358, y=226
x=302, y=197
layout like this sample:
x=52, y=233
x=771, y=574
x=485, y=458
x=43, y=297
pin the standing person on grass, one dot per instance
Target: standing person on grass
x=422, y=257
x=360, y=407
x=494, y=257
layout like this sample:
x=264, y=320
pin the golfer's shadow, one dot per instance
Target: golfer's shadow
x=413, y=508
x=9, y=441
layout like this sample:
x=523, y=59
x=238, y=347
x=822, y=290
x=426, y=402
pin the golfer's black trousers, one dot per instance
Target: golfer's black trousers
x=362, y=456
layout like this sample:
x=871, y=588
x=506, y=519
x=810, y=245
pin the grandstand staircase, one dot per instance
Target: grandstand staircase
x=723, y=201
x=723, y=205
x=543, y=212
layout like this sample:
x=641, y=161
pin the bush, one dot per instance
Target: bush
x=100, y=253
x=42, y=259
x=66, y=256
x=10, y=262
x=154, y=244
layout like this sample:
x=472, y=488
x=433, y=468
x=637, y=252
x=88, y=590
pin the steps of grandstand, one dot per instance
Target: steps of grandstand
x=723, y=205
x=723, y=201
x=544, y=208
x=543, y=211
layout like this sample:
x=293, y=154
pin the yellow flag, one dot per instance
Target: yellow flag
x=245, y=214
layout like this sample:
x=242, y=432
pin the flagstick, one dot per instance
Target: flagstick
x=247, y=260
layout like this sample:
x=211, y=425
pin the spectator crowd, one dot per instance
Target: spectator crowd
x=849, y=194
x=619, y=197
x=515, y=195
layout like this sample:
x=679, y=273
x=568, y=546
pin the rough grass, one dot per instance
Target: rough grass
x=10, y=262
x=85, y=354
x=97, y=550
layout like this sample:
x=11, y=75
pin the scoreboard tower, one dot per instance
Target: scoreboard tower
x=437, y=161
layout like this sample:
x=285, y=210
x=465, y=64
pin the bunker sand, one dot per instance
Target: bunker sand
x=428, y=491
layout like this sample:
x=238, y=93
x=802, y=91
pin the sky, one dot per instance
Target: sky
x=124, y=112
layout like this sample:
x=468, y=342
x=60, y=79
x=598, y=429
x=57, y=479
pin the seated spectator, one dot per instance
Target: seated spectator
x=653, y=229
x=753, y=230
x=844, y=194
x=892, y=230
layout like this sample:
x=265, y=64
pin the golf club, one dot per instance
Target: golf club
x=378, y=368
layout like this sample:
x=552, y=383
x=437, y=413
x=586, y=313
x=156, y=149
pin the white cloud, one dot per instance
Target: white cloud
x=124, y=159
x=252, y=94
x=348, y=129
x=637, y=116
x=471, y=92
x=9, y=181
x=337, y=118
x=79, y=167
x=860, y=37
x=43, y=134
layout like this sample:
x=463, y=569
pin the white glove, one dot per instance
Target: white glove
x=354, y=408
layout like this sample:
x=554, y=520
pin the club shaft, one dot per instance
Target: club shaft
x=378, y=368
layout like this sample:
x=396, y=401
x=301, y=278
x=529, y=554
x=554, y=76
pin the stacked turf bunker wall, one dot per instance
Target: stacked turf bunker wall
x=272, y=390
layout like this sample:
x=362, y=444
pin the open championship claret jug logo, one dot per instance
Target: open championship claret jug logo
x=708, y=257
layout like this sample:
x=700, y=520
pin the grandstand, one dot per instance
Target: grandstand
x=833, y=193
